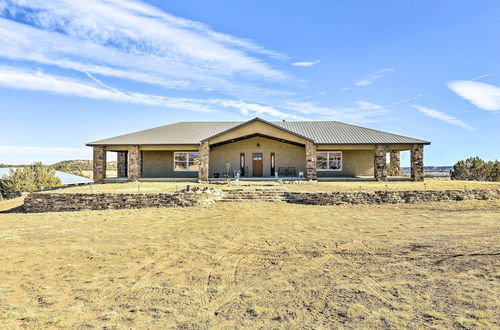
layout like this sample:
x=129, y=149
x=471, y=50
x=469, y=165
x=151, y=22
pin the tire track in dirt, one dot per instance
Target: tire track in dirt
x=371, y=284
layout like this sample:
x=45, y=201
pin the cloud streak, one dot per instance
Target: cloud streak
x=306, y=63
x=483, y=96
x=443, y=117
x=374, y=76
x=40, y=81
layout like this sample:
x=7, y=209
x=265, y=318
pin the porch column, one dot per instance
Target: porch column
x=311, y=161
x=204, y=153
x=417, y=162
x=134, y=163
x=379, y=163
x=395, y=164
x=121, y=164
x=99, y=166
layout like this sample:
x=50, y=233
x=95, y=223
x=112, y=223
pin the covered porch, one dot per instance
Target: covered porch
x=259, y=158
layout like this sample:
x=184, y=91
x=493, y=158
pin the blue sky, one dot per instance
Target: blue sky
x=76, y=71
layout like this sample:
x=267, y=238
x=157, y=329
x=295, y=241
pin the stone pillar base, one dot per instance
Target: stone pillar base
x=134, y=163
x=204, y=154
x=395, y=164
x=379, y=163
x=99, y=164
x=417, y=162
x=121, y=164
x=311, y=172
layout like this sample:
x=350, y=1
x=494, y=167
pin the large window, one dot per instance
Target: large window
x=329, y=161
x=186, y=161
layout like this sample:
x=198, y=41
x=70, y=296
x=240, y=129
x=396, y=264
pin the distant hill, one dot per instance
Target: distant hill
x=431, y=169
x=76, y=167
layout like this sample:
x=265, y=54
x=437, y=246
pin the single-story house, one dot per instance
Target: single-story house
x=257, y=148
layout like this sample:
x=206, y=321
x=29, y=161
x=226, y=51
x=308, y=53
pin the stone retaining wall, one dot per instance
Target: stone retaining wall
x=390, y=197
x=57, y=202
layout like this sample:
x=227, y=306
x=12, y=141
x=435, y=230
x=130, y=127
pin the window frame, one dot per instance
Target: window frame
x=328, y=161
x=187, y=161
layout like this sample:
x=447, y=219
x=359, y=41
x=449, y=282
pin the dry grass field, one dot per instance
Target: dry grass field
x=269, y=265
x=157, y=187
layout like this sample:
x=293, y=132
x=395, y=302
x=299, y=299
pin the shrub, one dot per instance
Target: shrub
x=474, y=168
x=7, y=192
x=33, y=177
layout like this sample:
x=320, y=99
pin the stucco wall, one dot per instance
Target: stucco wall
x=160, y=164
x=354, y=163
x=287, y=155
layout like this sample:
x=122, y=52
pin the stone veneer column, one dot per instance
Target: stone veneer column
x=99, y=166
x=417, y=162
x=395, y=164
x=311, y=161
x=121, y=164
x=204, y=153
x=379, y=163
x=134, y=163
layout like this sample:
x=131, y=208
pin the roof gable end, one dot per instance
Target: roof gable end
x=257, y=119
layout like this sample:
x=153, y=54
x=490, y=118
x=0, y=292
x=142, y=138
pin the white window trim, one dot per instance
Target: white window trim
x=328, y=161
x=187, y=159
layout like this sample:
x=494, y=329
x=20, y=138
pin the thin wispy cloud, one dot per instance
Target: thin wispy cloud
x=81, y=45
x=481, y=77
x=482, y=95
x=358, y=111
x=370, y=79
x=306, y=63
x=443, y=117
x=404, y=100
x=40, y=81
x=130, y=40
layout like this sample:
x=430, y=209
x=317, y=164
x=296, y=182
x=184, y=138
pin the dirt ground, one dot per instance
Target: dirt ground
x=269, y=265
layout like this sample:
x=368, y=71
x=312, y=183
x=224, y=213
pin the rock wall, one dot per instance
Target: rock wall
x=59, y=202
x=390, y=197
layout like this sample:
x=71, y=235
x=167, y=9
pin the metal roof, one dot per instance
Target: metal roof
x=320, y=132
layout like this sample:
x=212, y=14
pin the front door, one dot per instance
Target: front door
x=257, y=164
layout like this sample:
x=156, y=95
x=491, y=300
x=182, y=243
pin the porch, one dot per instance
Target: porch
x=258, y=157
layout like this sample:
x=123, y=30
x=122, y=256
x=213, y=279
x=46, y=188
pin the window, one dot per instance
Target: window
x=186, y=161
x=329, y=161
